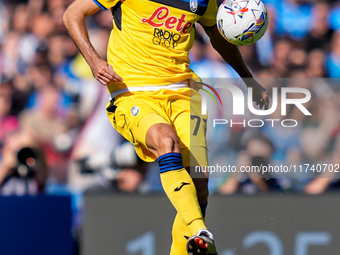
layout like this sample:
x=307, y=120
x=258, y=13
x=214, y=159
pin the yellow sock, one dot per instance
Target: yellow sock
x=181, y=191
x=179, y=231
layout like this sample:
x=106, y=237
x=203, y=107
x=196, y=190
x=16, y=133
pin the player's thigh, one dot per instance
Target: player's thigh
x=132, y=116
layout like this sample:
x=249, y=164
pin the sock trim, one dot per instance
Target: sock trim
x=170, y=162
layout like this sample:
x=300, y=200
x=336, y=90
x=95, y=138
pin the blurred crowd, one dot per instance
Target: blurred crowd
x=51, y=105
x=299, y=49
x=52, y=110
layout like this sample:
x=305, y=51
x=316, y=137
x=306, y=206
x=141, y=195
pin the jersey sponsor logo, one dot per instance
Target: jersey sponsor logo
x=161, y=18
x=165, y=38
x=193, y=5
x=181, y=186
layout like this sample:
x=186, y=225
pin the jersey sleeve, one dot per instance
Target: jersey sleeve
x=106, y=4
x=209, y=17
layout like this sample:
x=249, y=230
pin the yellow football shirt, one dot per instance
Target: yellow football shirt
x=150, y=39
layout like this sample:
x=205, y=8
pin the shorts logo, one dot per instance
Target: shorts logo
x=135, y=110
x=193, y=5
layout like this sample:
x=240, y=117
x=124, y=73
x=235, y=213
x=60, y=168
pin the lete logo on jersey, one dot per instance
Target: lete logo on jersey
x=161, y=18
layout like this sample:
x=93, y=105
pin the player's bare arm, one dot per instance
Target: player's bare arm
x=74, y=21
x=233, y=57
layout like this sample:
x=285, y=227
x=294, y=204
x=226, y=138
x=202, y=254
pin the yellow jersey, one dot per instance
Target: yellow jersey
x=150, y=39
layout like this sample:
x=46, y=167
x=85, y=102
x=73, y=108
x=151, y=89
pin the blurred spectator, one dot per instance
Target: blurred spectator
x=333, y=61
x=280, y=66
x=327, y=181
x=8, y=122
x=335, y=17
x=320, y=33
x=218, y=68
x=23, y=169
x=316, y=140
x=266, y=46
x=48, y=126
x=316, y=62
x=291, y=13
x=128, y=180
x=4, y=21
x=258, y=153
x=283, y=139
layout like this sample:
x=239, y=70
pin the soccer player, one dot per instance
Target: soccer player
x=147, y=76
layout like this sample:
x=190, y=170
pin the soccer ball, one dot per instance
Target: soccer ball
x=242, y=22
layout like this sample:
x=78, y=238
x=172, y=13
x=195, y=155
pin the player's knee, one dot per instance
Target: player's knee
x=167, y=144
x=162, y=139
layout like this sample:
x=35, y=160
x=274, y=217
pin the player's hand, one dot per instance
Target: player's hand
x=104, y=73
x=260, y=94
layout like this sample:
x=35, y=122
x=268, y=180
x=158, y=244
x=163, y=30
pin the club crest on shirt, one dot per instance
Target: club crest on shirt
x=193, y=5
x=135, y=110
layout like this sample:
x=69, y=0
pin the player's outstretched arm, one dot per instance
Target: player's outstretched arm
x=233, y=57
x=74, y=21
